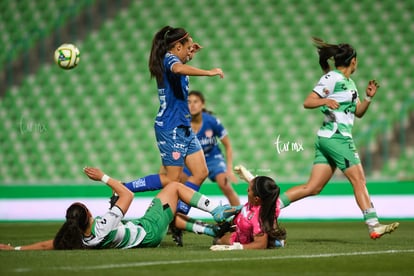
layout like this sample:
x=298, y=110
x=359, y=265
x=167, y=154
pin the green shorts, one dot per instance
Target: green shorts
x=338, y=151
x=155, y=222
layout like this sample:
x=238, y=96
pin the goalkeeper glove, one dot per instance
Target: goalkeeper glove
x=234, y=246
x=244, y=173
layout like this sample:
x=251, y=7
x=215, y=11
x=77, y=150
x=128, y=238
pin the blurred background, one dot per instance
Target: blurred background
x=54, y=122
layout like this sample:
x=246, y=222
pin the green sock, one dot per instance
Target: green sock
x=189, y=226
x=370, y=216
x=199, y=228
x=284, y=201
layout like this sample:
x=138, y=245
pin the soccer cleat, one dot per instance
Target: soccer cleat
x=222, y=228
x=377, y=230
x=209, y=230
x=177, y=235
x=214, y=230
x=112, y=201
x=114, y=198
x=243, y=173
x=281, y=237
x=222, y=212
x=280, y=243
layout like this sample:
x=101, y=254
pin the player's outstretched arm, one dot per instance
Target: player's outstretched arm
x=184, y=69
x=125, y=195
x=43, y=245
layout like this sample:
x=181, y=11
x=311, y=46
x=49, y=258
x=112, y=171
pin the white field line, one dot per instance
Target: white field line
x=179, y=262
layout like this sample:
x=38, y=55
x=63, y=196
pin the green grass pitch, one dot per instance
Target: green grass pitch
x=314, y=248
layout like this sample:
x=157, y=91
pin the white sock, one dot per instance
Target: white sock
x=198, y=228
x=370, y=216
x=202, y=202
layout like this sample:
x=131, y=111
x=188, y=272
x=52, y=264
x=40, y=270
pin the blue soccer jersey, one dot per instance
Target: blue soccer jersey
x=173, y=97
x=211, y=130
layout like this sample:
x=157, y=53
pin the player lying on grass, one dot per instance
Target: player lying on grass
x=256, y=225
x=82, y=231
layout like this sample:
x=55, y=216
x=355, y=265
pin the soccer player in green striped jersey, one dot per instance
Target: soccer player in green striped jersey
x=83, y=231
x=337, y=97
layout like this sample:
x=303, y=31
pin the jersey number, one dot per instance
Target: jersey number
x=163, y=106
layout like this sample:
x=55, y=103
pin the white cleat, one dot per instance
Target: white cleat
x=376, y=231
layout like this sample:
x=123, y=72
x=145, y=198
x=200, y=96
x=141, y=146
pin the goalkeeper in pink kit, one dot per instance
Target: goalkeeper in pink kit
x=256, y=225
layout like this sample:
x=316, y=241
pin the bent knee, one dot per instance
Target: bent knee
x=173, y=185
x=199, y=176
x=311, y=190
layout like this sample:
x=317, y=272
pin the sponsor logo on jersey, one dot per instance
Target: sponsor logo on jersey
x=179, y=146
x=250, y=216
x=208, y=140
x=208, y=133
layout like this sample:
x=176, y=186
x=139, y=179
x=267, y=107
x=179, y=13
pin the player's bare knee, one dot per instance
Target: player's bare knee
x=172, y=186
x=199, y=177
x=359, y=182
x=312, y=191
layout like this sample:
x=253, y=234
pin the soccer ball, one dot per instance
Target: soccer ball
x=67, y=56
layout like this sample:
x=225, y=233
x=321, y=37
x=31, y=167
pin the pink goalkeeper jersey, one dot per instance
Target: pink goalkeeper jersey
x=247, y=224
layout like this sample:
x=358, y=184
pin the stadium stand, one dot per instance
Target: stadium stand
x=24, y=22
x=101, y=113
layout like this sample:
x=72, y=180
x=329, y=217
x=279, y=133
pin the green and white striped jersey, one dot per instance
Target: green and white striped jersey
x=108, y=231
x=334, y=85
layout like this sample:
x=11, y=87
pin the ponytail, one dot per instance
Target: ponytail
x=71, y=232
x=164, y=40
x=342, y=54
x=268, y=191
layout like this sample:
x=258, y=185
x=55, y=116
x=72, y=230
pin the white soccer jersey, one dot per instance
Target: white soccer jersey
x=108, y=231
x=334, y=85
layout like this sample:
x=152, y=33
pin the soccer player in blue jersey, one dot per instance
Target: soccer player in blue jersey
x=171, y=49
x=83, y=231
x=209, y=130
